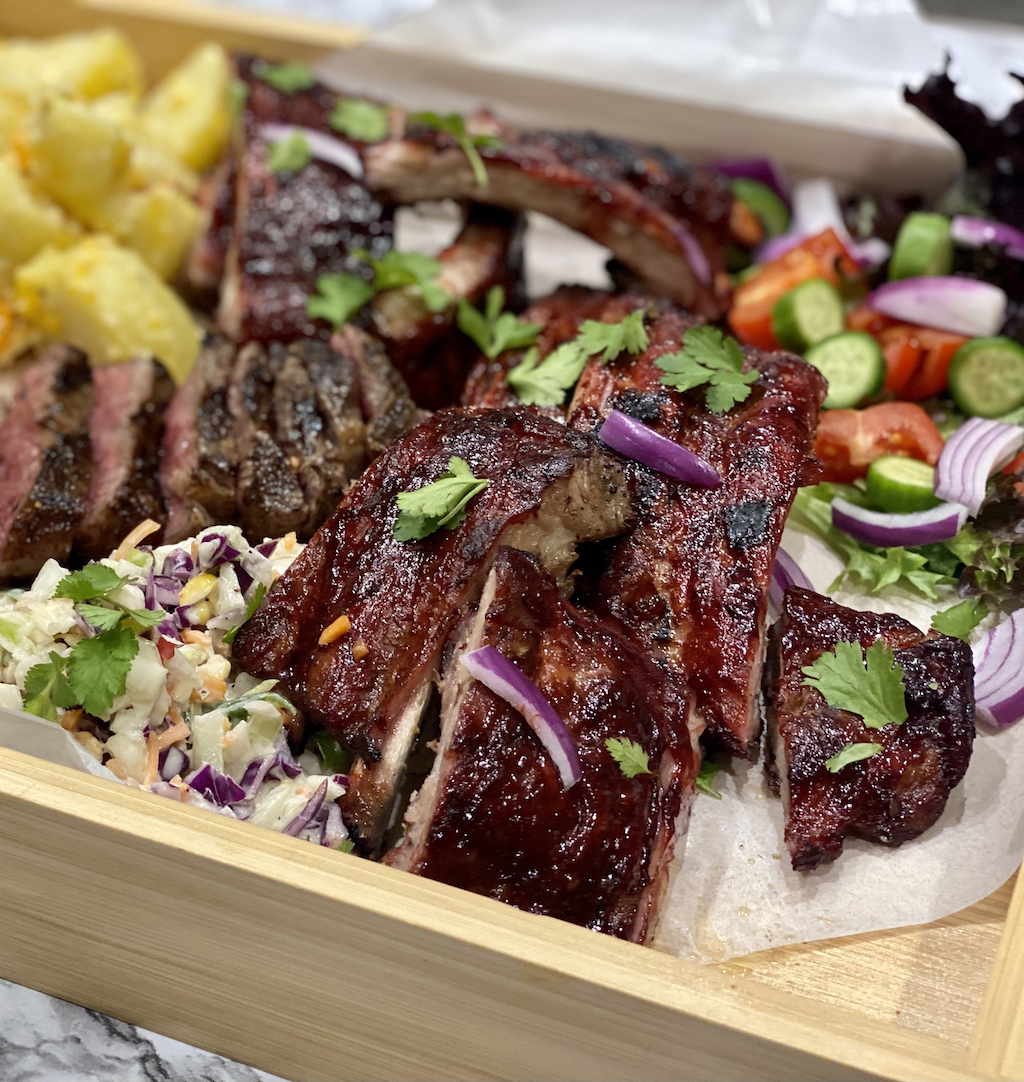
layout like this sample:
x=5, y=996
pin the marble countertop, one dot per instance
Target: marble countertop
x=48, y=1040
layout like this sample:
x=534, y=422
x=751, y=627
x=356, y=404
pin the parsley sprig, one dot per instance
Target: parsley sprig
x=288, y=78
x=441, y=503
x=495, y=330
x=708, y=358
x=630, y=756
x=454, y=124
x=362, y=120
x=545, y=383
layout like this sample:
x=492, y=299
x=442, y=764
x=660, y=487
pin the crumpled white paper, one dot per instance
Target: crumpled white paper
x=737, y=893
x=47, y=740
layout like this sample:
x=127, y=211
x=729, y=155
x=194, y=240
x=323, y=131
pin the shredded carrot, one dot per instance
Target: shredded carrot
x=334, y=630
x=193, y=636
x=175, y=715
x=90, y=743
x=69, y=719
x=214, y=689
x=359, y=649
x=288, y=541
x=115, y=768
x=178, y=731
x=142, y=531
x=152, y=760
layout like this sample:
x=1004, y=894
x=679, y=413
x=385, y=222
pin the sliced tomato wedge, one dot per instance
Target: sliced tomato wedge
x=937, y=349
x=821, y=256
x=863, y=318
x=902, y=352
x=848, y=441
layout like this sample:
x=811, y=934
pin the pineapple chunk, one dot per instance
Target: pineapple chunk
x=149, y=165
x=79, y=156
x=188, y=115
x=159, y=223
x=85, y=65
x=27, y=223
x=104, y=299
x=13, y=114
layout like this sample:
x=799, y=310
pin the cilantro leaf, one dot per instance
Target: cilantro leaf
x=494, y=330
x=614, y=338
x=397, y=269
x=706, y=779
x=630, y=756
x=852, y=753
x=708, y=358
x=961, y=619
x=251, y=606
x=146, y=617
x=289, y=78
x=99, y=616
x=97, y=669
x=875, y=692
x=454, y=124
x=46, y=688
x=338, y=297
x=441, y=503
x=334, y=759
x=360, y=120
x=238, y=95
x=94, y=580
x=346, y=846
x=546, y=383
x=290, y=155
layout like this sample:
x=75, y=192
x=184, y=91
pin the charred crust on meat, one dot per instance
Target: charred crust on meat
x=746, y=524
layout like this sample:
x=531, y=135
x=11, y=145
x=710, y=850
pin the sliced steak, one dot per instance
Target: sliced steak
x=549, y=488
x=692, y=578
x=432, y=354
x=901, y=791
x=126, y=431
x=204, y=267
x=494, y=818
x=45, y=462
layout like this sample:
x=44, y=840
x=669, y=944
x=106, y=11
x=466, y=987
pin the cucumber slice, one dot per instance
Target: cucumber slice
x=810, y=313
x=923, y=247
x=768, y=208
x=901, y=485
x=986, y=376
x=853, y=364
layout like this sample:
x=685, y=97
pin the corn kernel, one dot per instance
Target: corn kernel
x=197, y=589
x=335, y=630
x=359, y=649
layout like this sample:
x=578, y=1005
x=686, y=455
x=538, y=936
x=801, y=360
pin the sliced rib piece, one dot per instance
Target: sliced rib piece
x=45, y=462
x=493, y=816
x=426, y=347
x=126, y=430
x=692, y=578
x=549, y=488
x=197, y=471
x=560, y=315
x=895, y=795
x=668, y=227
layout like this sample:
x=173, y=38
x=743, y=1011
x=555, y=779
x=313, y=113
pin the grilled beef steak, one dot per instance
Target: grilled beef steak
x=45, y=462
x=493, y=817
x=204, y=267
x=426, y=347
x=900, y=792
x=549, y=488
x=691, y=579
x=126, y=430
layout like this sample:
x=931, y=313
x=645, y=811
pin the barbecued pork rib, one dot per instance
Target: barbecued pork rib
x=126, y=430
x=549, y=488
x=893, y=796
x=600, y=196
x=691, y=579
x=197, y=471
x=426, y=347
x=45, y=462
x=493, y=816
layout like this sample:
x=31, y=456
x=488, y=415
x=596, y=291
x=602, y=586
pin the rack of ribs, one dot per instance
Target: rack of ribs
x=493, y=816
x=900, y=792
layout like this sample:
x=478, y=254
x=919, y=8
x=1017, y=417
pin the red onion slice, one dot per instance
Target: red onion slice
x=763, y=169
x=958, y=305
x=999, y=673
x=977, y=232
x=786, y=572
x=886, y=530
x=321, y=145
x=496, y=672
x=641, y=443
x=971, y=455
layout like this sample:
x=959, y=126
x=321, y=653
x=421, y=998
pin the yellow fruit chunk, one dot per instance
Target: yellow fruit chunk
x=86, y=65
x=188, y=115
x=159, y=223
x=28, y=223
x=13, y=114
x=104, y=299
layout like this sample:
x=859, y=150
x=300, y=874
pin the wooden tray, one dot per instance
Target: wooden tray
x=314, y=964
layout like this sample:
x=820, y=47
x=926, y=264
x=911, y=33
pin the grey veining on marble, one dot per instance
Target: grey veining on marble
x=48, y=1040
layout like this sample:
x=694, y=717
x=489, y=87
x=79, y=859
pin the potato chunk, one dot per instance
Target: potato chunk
x=104, y=299
x=159, y=223
x=27, y=223
x=188, y=115
x=85, y=65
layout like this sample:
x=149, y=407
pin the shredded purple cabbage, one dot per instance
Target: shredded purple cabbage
x=313, y=806
x=216, y=786
x=178, y=565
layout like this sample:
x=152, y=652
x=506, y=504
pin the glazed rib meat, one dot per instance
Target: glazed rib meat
x=691, y=579
x=45, y=462
x=673, y=239
x=425, y=346
x=893, y=796
x=493, y=816
x=549, y=488
x=126, y=430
